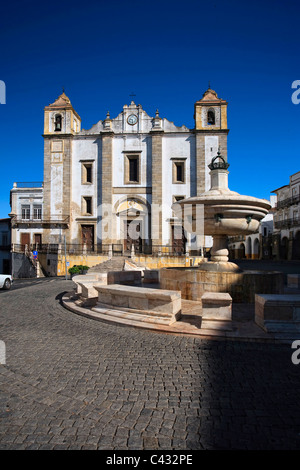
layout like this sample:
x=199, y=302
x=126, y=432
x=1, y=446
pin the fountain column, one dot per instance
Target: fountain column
x=219, y=251
x=219, y=182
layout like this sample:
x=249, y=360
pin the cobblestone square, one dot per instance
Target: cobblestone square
x=70, y=382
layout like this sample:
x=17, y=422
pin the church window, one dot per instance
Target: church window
x=178, y=172
x=57, y=122
x=132, y=169
x=87, y=205
x=211, y=117
x=87, y=173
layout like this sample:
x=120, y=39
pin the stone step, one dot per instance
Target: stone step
x=137, y=318
x=114, y=264
x=134, y=311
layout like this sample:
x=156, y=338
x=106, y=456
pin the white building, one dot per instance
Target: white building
x=116, y=182
x=287, y=220
x=256, y=245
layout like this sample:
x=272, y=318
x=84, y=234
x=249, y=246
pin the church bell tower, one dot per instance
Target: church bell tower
x=210, y=114
x=61, y=123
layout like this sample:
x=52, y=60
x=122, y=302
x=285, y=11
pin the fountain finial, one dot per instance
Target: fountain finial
x=218, y=162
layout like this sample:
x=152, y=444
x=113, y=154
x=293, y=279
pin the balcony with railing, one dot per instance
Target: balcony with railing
x=287, y=223
x=62, y=220
x=289, y=201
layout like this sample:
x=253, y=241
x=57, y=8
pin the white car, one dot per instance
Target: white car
x=6, y=281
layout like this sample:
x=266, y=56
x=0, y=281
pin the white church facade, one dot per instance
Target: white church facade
x=116, y=182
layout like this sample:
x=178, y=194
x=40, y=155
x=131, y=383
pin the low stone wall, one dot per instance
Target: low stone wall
x=278, y=313
x=242, y=286
x=124, y=277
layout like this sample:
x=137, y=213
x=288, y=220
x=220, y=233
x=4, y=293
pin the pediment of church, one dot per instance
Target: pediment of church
x=134, y=119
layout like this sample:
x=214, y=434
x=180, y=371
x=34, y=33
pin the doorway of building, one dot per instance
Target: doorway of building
x=87, y=236
x=37, y=239
x=25, y=240
x=133, y=235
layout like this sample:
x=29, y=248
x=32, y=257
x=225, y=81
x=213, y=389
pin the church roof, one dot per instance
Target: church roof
x=61, y=102
x=211, y=96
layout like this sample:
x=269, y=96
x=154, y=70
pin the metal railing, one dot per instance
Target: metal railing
x=71, y=249
x=287, y=223
x=114, y=249
x=167, y=250
x=289, y=201
x=54, y=219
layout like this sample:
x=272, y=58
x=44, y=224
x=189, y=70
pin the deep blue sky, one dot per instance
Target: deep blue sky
x=165, y=52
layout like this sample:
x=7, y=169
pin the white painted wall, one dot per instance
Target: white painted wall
x=175, y=146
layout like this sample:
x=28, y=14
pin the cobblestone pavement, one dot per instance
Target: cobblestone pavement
x=74, y=383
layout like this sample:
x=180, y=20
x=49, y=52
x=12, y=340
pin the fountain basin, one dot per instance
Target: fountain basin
x=242, y=286
x=227, y=214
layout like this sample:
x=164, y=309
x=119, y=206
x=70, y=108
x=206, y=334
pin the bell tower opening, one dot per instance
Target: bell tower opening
x=211, y=117
x=57, y=123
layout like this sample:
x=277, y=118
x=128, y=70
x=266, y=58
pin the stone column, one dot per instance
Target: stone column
x=219, y=251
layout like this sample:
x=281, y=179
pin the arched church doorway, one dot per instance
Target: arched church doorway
x=134, y=224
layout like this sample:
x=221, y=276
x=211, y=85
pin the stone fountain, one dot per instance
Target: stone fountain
x=226, y=213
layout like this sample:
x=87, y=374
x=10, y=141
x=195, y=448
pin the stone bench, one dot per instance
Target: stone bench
x=85, y=283
x=86, y=279
x=293, y=281
x=278, y=313
x=216, y=306
x=87, y=289
x=140, y=299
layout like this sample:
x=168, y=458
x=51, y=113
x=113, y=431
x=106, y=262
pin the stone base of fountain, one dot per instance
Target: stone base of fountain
x=241, y=285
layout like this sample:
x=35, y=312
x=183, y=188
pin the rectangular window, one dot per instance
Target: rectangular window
x=132, y=169
x=37, y=212
x=87, y=205
x=87, y=173
x=179, y=171
x=25, y=211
